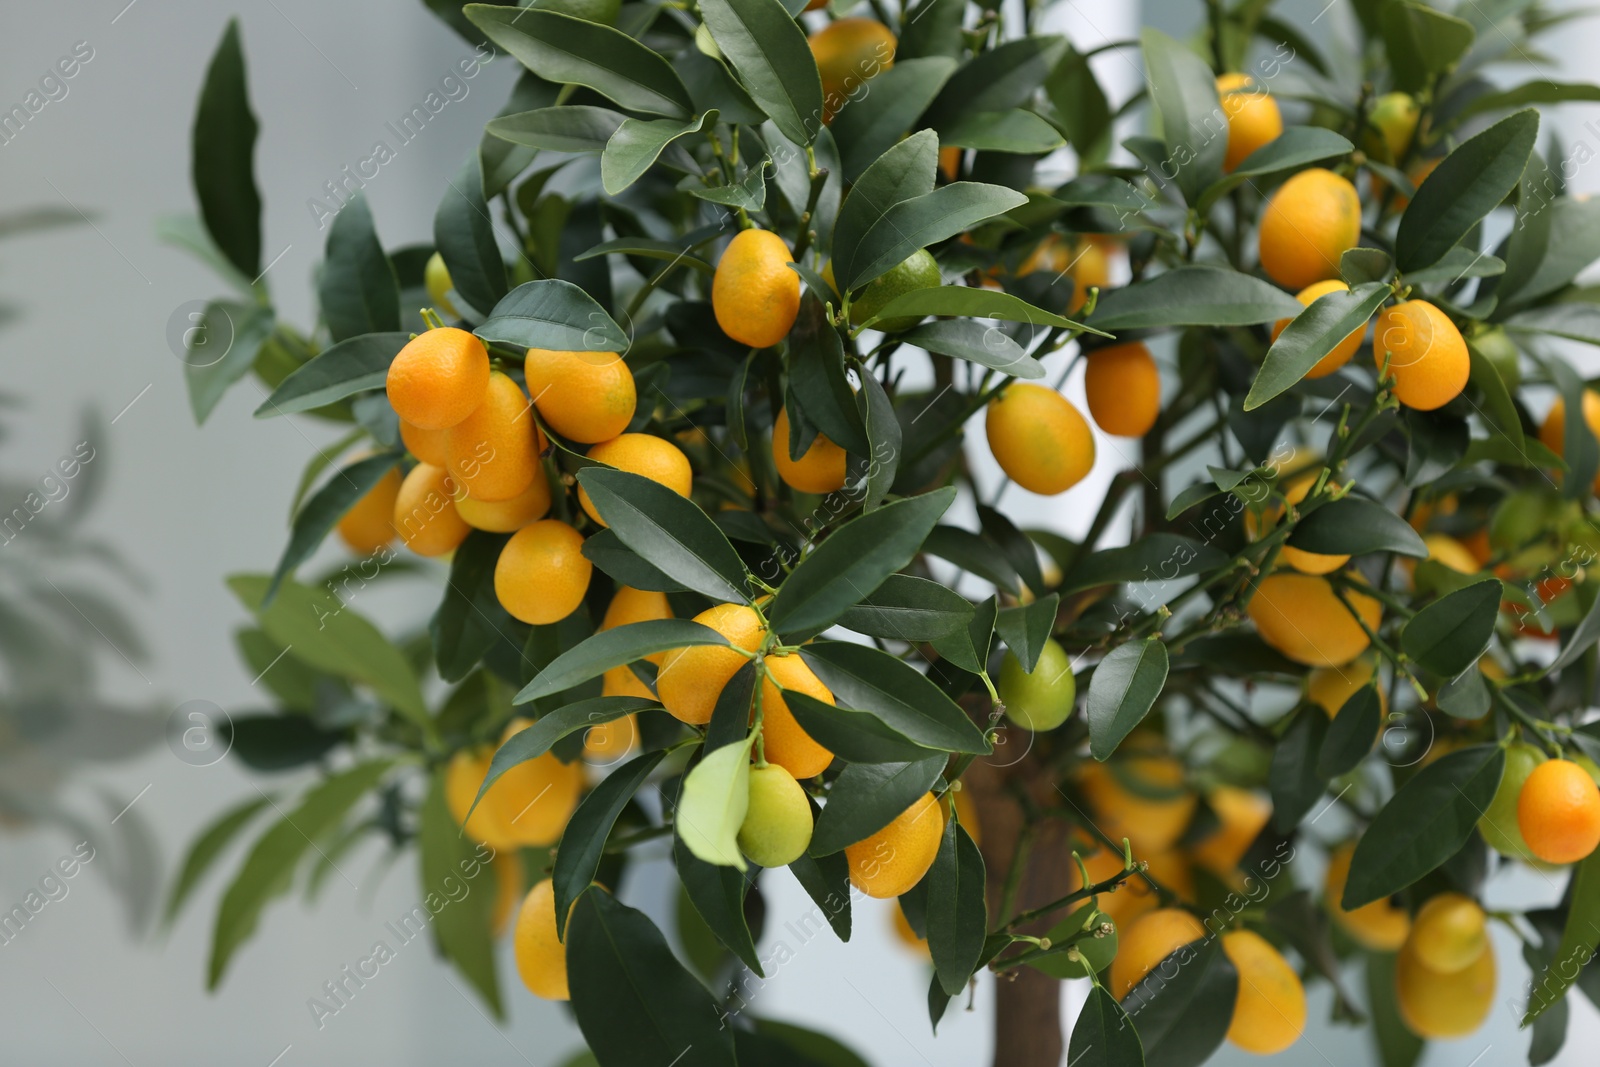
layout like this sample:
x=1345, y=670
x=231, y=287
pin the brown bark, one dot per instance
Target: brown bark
x=1027, y=1023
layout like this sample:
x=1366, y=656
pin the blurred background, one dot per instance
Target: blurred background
x=113, y=612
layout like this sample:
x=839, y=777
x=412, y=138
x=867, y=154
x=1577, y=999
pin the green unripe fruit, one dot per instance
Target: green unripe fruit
x=916, y=271
x=777, y=826
x=1395, y=115
x=1498, y=825
x=1041, y=700
x=436, y=278
x=1496, y=346
x=1523, y=517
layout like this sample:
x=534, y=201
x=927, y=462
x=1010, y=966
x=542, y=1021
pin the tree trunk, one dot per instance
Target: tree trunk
x=1027, y=1023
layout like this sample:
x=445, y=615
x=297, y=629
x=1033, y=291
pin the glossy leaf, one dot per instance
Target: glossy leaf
x=554, y=314
x=1466, y=186
x=1017, y=130
x=1353, y=526
x=885, y=440
x=904, y=227
x=896, y=692
x=1579, y=939
x=866, y=797
x=567, y=128
x=1104, y=1036
x=1425, y=823
x=470, y=620
x=619, y=645
x=853, y=561
x=874, y=123
x=584, y=839
x=1184, y=1005
x=1194, y=296
x=767, y=49
x=1351, y=734
x=974, y=342
x=1184, y=92
x=1122, y=690
x=620, y=967
x=1297, y=146
x=1450, y=634
x=1311, y=335
x=1422, y=42
x=717, y=895
x=355, y=365
x=1293, y=776
x=636, y=145
x=905, y=608
x=1025, y=629
x=854, y=736
x=968, y=302
x=668, y=531
x=224, y=141
x=958, y=917
x=323, y=511
x=574, y=51
x=464, y=234
x=357, y=289
x=1160, y=557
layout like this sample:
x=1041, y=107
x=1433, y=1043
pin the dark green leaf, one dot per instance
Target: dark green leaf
x=902, y=173
x=1466, y=696
x=896, y=692
x=826, y=880
x=1579, y=939
x=1353, y=526
x=730, y=717
x=996, y=79
x=207, y=849
x=1019, y=551
x=970, y=650
x=1466, y=186
x=1358, y=266
x=1459, y=263
x=1081, y=105
x=470, y=620
x=357, y=289
x=1578, y=445
x=958, y=917
x=277, y=742
x=768, y=50
x=1103, y=191
x=567, y=128
x=1016, y=130
x=1584, y=635
x=717, y=894
x=464, y=931
x=1185, y=1004
x=1351, y=733
x=1293, y=777
x=352, y=366
x=885, y=439
x=668, y=531
x=975, y=553
x=904, y=227
x=624, y=565
x=614, y=647
x=1499, y=411
x=223, y=155
x=967, y=302
x=749, y=192
x=1194, y=296
x=554, y=314
x=1104, y=1036
x=584, y=839
x=1424, y=823
x=1160, y=557
x=1537, y=91
x=854, y=561
x=1397, y=1045
x=817, y=378
x=268, y=870
x=986, y=346
x=1184, y=92
x=324, y=510
x=573, y=51
x=1311, y=335
x=1449, y=635
x=1422, y=42
x=620, y=967
x=1298, y=146
x=464, y=234
x=908, y=609
x=1026, y=629
x=637, y=143
x=866, y=797
x=874, y=123
x=1122, y=690
x=535, y=740
x=854, y=736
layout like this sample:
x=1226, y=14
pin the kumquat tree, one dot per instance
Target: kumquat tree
x=685, y=411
